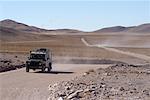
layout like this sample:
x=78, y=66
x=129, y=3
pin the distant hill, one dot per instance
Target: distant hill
x=19, y=26
x=111, y=29
x=9, y=34
x=30, y=29
x=144, y=28
x=8, y=31
x=13, y=31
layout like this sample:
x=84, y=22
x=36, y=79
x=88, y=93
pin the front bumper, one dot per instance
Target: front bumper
x=35, y=65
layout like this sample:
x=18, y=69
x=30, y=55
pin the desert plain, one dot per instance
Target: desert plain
x=86, y=65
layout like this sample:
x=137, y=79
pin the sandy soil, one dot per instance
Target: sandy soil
x=144, y=51
x=72, y=46
x=120, y=40
x=132, y=54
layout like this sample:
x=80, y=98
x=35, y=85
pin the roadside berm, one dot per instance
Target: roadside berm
x=8, y=65
x=117, y=82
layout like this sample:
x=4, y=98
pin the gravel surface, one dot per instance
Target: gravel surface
x=118, y=82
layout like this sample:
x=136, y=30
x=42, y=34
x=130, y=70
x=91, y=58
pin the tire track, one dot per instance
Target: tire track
x=140, y=56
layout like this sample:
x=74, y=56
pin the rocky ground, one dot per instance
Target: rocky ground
x=10, y=62
x=118, y=82
x=7, y=65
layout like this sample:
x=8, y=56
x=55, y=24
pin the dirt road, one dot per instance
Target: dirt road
x=19, y=85
x=140, y=56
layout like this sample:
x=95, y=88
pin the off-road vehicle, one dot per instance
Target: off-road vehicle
x=39, y=59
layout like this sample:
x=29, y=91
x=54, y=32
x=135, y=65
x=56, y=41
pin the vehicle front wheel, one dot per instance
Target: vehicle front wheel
x=43, y=69
x=27, y=69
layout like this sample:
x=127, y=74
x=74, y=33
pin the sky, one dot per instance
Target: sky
x=85, y=15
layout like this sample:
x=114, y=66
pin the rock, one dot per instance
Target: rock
x=51, y=87
x=72, y=90
x=61, y=93
x=103, y=86
x=114, y=90
x=86, y=73
x=91, y=70
x=146, y=92
x=89, y=90
x=105, y=74
x=67, y=88
x=75, y=94
x=72, y=95
x=60, y=98
x=121, y=89
x=148, y=72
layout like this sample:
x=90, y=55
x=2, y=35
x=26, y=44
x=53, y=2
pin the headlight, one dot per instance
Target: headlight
x=28, y=62
x=40, y=63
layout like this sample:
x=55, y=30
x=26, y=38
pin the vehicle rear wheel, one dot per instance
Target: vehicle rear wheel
x=50, y=67
x=27, y=69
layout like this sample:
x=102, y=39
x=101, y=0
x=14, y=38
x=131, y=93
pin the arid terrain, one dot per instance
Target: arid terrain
x=86, y=65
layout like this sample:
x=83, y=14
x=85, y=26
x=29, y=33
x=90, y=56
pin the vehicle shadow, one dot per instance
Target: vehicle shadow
x=55, y=72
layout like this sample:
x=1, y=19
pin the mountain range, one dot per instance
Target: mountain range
x=11, y=28
x=143, y=28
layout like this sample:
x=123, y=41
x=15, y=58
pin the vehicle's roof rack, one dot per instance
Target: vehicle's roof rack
x=42, y=50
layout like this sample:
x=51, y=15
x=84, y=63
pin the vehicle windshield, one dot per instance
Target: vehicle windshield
x=37, y=56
